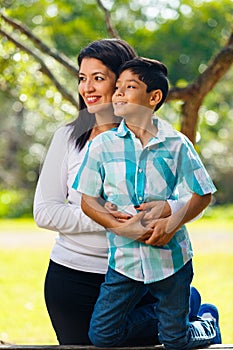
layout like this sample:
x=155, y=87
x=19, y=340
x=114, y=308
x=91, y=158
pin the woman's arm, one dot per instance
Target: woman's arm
x=51, y=207
x=155, y=209
x=163, y=209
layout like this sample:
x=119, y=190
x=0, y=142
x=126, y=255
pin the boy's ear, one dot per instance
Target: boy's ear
x=156, y=97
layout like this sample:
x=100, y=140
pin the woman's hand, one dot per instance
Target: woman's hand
x=140, y=227
x=133, y=228
x=161, y=234
x=112, y=209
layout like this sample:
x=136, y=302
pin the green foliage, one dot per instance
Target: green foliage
x=65, y=25
x=15, y=203
x=220, y=213
x=216, y=137
x=184, y=34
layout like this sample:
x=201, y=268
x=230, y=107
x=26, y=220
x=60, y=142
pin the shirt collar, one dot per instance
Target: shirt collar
x=165, y=130
x=122, y=129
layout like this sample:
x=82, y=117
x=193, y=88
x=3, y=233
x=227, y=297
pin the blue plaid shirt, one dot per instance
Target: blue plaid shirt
x=118, y=168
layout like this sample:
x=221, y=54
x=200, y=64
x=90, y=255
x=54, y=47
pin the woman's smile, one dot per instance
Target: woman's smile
x=92, y=99
x=96, y=85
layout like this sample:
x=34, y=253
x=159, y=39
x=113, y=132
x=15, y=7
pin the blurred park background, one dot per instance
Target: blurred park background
x=39, y=43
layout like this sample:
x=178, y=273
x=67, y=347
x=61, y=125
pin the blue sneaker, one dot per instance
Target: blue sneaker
x=194, y=302
x=209, y=311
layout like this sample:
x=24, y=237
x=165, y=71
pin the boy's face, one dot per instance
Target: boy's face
x=130, y=93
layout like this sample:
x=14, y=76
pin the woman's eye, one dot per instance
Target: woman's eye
x=99, y=78
x=131, y=87
x=81, y=78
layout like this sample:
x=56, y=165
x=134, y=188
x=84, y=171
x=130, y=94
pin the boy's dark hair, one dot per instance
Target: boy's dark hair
x=151, y=72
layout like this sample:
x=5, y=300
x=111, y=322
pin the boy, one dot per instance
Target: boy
x=144, y=160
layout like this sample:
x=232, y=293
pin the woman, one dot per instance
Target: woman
x=79, y=256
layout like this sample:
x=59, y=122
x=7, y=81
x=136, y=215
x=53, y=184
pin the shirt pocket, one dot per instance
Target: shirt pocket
x=161, y=178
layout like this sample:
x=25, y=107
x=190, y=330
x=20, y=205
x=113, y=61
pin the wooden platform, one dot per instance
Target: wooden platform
x=80, y=347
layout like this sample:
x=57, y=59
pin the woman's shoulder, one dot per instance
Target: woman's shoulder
x=63, y=131
x=62, y=135
x=61, y=140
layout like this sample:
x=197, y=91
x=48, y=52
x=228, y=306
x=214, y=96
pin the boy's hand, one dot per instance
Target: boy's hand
x=164, y=229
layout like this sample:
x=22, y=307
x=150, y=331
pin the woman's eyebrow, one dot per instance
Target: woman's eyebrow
x=93, y=73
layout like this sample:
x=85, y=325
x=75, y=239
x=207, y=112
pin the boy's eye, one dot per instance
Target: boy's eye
x=131, y=87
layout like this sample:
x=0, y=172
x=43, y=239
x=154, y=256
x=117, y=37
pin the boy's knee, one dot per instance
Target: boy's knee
x=102, y=341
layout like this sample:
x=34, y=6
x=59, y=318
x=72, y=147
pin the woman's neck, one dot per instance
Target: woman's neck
x=104, y=123
x=104, y=117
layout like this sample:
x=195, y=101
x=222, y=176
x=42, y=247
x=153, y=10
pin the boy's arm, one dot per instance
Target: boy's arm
x=93, y=207
x=132, y=228
x=164, y=229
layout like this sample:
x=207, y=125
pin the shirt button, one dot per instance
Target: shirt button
x=140, y=198
x=140, y=170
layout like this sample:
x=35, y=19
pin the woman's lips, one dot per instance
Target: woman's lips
x=92, y=99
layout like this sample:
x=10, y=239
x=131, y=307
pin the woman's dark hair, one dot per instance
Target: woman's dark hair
x=112, y=53
x=152, y=72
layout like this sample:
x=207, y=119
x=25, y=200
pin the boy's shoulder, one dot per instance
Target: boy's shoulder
x=169, y=131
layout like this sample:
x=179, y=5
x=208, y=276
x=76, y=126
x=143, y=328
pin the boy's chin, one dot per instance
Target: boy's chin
x=118, y=112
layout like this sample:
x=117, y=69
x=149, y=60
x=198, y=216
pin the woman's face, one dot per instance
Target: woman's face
x=96, y=85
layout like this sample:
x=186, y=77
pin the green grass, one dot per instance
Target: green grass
x=24, y=318
x=213, y=278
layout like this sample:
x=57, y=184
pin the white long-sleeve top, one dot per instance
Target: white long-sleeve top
x=81, y=243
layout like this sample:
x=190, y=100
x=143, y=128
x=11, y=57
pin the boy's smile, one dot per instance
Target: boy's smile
x=130, y=94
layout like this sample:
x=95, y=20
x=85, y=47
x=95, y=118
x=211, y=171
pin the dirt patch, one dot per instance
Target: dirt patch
x=203, y=241
x=36, y=240
x=220, y=241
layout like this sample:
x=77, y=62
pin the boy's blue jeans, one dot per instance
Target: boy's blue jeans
x=115, y=319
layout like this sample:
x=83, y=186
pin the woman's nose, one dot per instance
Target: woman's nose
x=89, y=86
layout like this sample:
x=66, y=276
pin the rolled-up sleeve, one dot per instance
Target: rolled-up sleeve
x=193, y=172
x=89, y=179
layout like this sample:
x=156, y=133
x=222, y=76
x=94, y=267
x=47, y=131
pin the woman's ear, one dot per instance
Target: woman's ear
x=156, y=97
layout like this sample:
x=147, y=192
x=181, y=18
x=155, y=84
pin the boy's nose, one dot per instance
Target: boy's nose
x=119, y=92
